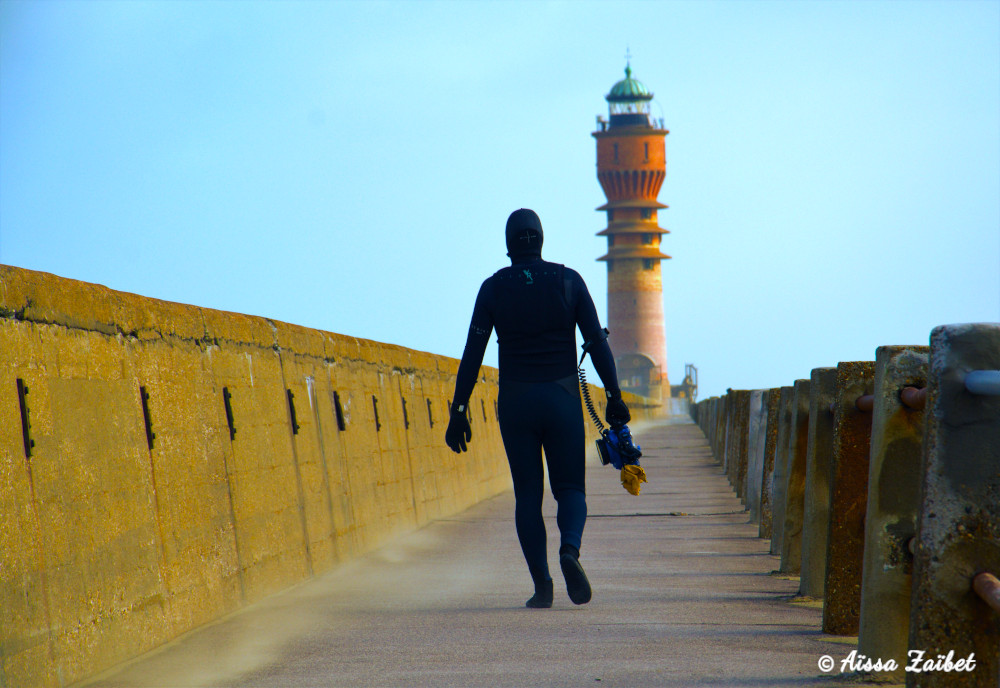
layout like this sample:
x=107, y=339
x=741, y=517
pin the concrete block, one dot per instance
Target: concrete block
x=742, y=427
x=893, y=496
x=721, y=426
x=736, y=439
x=848, y=499
x=707, y=415
x=819, y=455
x=958, y=533
x=713, y=423
x=782, y=466
x=795, y=484
x=728, y=440
x=756, y=442
x=770, y=447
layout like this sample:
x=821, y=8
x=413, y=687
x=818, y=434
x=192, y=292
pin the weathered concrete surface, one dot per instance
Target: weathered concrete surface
x=140, y=511
x=893, y=496
x=728, y=435
x=782, y=465
x=719, y=434
x=757, y=442
x=958, y=534
x=738, y=474
x=819, y=453
x=770, y=445
x=795, y=480
x=848, y=499
x=737, y=402
x=682, y=597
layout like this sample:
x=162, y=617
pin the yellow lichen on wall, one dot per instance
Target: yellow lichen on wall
x=111, y=547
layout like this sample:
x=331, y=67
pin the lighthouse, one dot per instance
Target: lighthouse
x=631, y=167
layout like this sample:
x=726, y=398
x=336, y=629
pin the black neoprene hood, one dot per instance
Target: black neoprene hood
x=524, y=234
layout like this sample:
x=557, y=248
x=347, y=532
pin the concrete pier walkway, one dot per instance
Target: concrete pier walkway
x=683, y=596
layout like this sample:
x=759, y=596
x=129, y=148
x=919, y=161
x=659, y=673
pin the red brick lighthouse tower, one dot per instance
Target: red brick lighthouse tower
x=631, y=166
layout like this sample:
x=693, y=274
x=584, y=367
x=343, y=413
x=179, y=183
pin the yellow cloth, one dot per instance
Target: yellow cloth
x=632, y=475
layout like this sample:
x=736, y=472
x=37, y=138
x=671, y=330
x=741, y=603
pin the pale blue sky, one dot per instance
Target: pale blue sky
x=833, y=167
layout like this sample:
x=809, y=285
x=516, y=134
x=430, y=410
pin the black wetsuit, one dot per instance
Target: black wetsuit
x=535, y=307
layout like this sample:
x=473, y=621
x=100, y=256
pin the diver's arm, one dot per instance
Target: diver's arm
x=594, y=336
x=459, y=432
x=475, y=347
x=596, y=342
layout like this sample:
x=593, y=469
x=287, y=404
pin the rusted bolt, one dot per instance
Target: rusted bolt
x=865, y=403
x=987, y=587
x=914, y=398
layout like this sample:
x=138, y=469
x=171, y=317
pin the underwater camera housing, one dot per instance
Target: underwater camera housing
x=615, y=446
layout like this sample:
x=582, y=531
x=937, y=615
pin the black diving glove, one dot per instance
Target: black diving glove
x=616, y=412
x=459, y=431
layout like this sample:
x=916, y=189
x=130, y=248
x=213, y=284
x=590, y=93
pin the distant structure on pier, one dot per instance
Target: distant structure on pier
x=631, y=167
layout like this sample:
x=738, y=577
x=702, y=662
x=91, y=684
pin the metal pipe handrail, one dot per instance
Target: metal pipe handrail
x=987, y=586
x=983, y=382
x=915, y=398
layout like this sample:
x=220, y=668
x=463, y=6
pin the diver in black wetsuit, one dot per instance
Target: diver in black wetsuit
x=535, y=307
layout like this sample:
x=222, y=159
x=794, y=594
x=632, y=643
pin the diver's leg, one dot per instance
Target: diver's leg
x=522, y=442
x=564, y=444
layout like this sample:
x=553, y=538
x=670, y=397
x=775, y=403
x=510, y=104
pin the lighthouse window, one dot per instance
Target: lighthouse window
x=611, y=215
x=646, y=213
x=647, y=238
x=611, y=265
x=648, y=263
x=646, y=147
x=616, y=152
x=611, y=240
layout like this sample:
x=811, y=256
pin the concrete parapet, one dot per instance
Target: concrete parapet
x=782, y=466
x=770, y=446
x=958, y=532
x=816, y=507
x=890, y=514
x=795, y=482
x=893, y=496
x=757, y=440
x=848, y=498
x=162, y=464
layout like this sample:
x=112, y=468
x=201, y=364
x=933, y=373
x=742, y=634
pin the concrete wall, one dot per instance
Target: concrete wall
x=162, y=465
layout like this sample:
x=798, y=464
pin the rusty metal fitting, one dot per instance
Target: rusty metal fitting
x=865, y=403
x=983, y=382
x=987, y=587
x=915, y=398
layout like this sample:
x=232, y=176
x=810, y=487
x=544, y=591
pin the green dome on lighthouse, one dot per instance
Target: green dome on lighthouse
x=628, y=101
x=628, y=89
